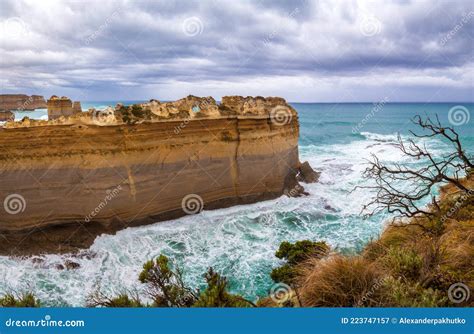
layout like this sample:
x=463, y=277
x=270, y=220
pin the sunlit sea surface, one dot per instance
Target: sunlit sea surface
x=240, y=242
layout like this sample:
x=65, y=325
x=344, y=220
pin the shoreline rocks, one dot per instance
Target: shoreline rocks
x=307, y=173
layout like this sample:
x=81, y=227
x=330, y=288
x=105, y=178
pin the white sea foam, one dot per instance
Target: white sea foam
x=239, y=241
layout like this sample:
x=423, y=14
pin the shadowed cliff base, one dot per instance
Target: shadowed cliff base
x=72, y=236
x=67, y=180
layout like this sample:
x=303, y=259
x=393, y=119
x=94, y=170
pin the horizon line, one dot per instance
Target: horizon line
x=302, y=102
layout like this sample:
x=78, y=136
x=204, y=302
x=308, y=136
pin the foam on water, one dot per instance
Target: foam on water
x=239, y=241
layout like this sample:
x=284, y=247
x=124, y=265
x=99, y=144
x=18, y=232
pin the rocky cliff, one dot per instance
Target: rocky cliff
x=21, y=102
x=63, y=182
x=62, y=106
x=6, y=116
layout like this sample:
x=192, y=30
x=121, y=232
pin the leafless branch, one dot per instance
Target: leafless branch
x=399, y=189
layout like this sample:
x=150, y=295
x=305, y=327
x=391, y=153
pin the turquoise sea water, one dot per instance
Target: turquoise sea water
x=240, y=241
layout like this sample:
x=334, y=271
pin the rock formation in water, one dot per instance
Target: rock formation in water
x=21, y=102
x=307, y=174
x=62, y=107
x=6, y=116
x=67, y=180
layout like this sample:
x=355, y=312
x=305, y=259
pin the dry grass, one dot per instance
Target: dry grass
x=411, y=265
x=339, y=281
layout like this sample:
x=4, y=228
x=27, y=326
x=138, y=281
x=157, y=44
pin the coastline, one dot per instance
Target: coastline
x=67, y=171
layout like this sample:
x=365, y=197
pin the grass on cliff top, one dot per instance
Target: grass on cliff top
x=408, y=266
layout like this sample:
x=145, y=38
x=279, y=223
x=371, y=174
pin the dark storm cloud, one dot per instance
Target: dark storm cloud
x=301, y=49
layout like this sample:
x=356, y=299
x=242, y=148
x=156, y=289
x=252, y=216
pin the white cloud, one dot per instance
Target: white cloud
x=302, y=50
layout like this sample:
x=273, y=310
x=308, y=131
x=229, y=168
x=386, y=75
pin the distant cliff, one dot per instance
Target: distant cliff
x=21, y=102
x=6, y=116
x=98, y=172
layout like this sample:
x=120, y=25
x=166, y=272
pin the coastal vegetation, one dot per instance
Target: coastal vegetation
x=423, y=253
x=21, y=300
x=165, y=287
x=295, y=254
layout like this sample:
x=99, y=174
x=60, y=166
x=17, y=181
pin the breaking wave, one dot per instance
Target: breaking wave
x=239, y=242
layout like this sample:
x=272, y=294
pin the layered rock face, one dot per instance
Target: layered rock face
x=62, y=107
x=6, y=116
x=21, y=102
x=63, y=183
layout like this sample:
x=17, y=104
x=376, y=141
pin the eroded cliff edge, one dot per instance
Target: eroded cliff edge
x=64, y=182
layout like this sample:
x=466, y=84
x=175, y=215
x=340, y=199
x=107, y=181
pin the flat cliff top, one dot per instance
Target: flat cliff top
x=185, y=109
x=21, y=102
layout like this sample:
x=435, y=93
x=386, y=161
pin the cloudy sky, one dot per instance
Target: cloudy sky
x=309, y=50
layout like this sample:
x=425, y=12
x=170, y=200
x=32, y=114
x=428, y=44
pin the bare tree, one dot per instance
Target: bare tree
x=391, y=181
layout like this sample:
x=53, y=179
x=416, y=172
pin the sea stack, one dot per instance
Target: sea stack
x=62, y=106
x=76, y=177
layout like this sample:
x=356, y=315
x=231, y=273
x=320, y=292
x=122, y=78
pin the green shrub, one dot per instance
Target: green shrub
x=295, y=254
x=216, y=294
x=301, y=250
x=165, y=285
x=137, y=111
x=403, y=262
x=400, y=293
x=24, y=300
x=284, y=274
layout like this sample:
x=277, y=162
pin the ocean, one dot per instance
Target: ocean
x=240, y=242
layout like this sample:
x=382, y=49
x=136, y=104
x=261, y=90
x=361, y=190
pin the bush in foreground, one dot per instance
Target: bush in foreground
x=340, y=281
x=23, y=300
x=295, y=254
x=165, y=286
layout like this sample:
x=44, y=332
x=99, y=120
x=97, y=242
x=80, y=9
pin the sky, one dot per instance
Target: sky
x=304, y=51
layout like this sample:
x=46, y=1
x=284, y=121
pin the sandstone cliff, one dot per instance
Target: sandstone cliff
x=21, y=102
x=6, y=116
x=65, y=181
